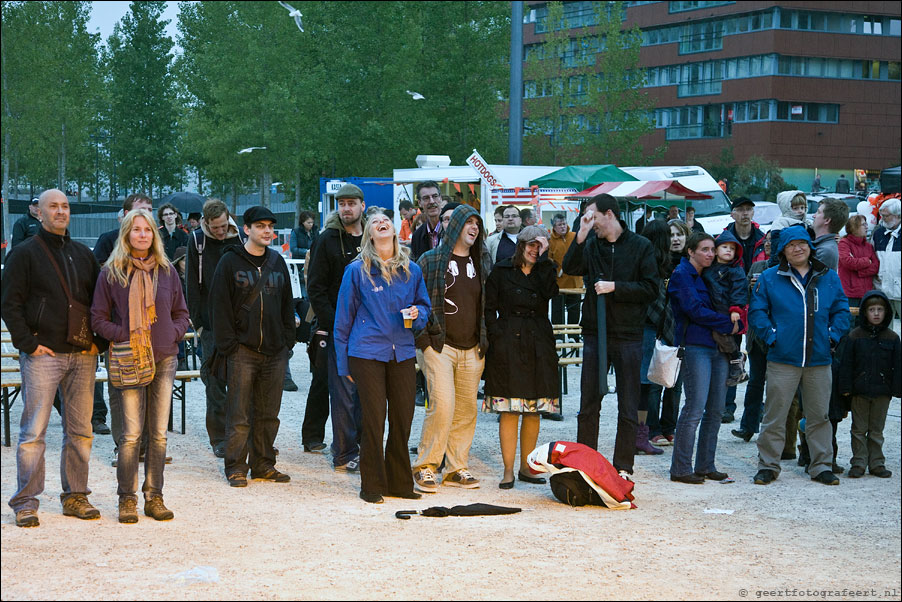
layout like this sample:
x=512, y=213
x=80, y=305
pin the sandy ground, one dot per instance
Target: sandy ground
x=315, y=539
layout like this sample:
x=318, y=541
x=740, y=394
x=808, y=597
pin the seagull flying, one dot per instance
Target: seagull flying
x=251, y=149
x=416, y=95
x=293, y=12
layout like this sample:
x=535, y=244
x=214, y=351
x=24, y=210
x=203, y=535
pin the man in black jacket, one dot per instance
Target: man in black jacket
x=337, y=245
x=620, y=265
x=27, y=226
x=255, y=330
x=206, y=245
x=429, y=234
x=36, y=309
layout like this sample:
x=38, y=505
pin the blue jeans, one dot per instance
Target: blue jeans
x=704, y=375
x=154, y=401
x=42, y=375
x=255, y=396
x=346, y=413
x=754, y=392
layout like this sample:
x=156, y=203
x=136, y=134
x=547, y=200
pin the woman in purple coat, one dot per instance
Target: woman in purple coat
x=139, y=300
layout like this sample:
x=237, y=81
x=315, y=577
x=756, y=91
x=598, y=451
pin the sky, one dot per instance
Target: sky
x=105, y=14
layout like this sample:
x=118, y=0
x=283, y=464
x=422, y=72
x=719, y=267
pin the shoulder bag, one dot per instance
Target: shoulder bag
x=78, y=331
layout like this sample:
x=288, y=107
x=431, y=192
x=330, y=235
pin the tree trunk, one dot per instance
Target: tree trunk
x=297, y=193
x=62, y=163
x=6, y=228
x=265, y=186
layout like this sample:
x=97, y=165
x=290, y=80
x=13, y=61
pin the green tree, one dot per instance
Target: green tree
x=758, y=177
x=143, y=113
x=620, y=108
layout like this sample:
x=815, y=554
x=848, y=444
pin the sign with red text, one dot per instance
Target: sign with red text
x=484, y=170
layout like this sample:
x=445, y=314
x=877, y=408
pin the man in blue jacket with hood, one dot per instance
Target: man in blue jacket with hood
x=799, y=310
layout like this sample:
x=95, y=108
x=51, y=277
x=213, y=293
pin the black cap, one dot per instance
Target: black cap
x=740, y=201
x=34, y=201
x=258, y=214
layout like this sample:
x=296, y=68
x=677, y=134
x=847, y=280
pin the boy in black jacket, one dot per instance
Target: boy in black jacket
x=869, y=372
x=255, y=330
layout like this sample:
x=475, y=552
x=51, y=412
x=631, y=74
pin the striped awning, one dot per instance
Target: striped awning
x=642, y=189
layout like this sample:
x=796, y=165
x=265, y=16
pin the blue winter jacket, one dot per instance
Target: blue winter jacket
x=690, y=301
x=798, y=320
x=368, y=322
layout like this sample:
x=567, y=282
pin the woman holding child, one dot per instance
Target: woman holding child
x=704, y=368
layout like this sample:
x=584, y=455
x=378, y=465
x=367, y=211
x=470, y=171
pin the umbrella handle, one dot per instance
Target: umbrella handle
x=405, y=514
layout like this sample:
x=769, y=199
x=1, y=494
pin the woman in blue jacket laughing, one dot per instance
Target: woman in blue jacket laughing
x=381, y=302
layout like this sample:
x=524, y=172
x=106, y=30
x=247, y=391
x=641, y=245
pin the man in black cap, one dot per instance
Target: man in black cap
x=254, y=315
x=751, y=238
x=337, y=246
x=28, y=225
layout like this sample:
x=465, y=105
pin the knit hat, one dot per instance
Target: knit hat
x=349, y=191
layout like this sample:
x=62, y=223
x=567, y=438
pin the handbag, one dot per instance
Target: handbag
x=666, y=361
x=78, y=329
x=126, y=370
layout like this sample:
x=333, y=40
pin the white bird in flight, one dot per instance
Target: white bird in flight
x=416, y=95
x=251, y=149
x=293, y=12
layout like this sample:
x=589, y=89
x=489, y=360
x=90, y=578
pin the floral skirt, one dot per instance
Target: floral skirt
x=542, y=405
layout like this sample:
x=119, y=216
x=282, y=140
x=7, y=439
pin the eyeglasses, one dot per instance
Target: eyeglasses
x=431, y=197
x=169, y=214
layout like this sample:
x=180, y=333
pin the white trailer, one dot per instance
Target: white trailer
x=485, y=188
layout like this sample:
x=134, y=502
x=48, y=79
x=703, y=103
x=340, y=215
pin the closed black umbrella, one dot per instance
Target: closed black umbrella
x=186, y=202
x=468, y=510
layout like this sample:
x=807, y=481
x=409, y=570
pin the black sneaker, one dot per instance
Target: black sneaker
x=715, y=475
x=237, y=480
x=219, y=450
x=727, y=418
x=100, y=428
x=881, y=472
x=420, y=399
x=372, y=498
x=827, y=478
x=556, y=417
x=856, y=472
x=315, y=448
x=289, y=385
x=765, y=477
x=691, y=479
x=741, y=434
x=271, y=474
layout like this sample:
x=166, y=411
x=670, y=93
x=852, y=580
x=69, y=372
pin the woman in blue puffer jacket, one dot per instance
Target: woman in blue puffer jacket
x=374, y=348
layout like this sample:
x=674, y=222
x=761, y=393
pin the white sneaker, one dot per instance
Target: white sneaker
x=461, y=478
x=626, y=476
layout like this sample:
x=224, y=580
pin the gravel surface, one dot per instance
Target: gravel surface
x=313, y=538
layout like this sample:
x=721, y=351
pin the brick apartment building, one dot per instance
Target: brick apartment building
x=812, y=85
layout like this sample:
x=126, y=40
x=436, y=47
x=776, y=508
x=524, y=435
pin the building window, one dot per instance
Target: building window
x=677, y=7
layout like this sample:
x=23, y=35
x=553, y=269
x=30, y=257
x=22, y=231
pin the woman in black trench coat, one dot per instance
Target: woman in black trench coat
x=521, y=376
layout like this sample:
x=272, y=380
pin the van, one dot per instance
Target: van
x=713, y=214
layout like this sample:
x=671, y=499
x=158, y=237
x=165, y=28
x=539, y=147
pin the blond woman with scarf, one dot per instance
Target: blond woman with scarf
x=139, y=300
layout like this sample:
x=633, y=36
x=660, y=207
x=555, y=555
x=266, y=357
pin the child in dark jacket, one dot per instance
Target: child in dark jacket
x=870, y=373
x=728, y=287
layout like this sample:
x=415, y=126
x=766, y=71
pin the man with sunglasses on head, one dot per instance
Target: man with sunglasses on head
x=427, y=236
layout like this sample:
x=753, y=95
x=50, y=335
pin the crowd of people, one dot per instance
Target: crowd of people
x=443, y=305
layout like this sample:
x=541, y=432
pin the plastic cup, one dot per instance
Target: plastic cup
x=408, y=319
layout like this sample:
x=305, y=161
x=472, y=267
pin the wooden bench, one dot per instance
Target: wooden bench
x=12, y=384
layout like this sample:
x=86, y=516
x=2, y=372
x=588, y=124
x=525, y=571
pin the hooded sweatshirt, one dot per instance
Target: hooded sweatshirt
x=332, y=251
x=199, y=275
x=871, y=362
x=434, y=264
x=726, y=282
x=798, y=317
x=268, y=326
x=784, y=200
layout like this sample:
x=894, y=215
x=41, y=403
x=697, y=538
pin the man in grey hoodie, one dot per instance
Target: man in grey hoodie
x=206, y=245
